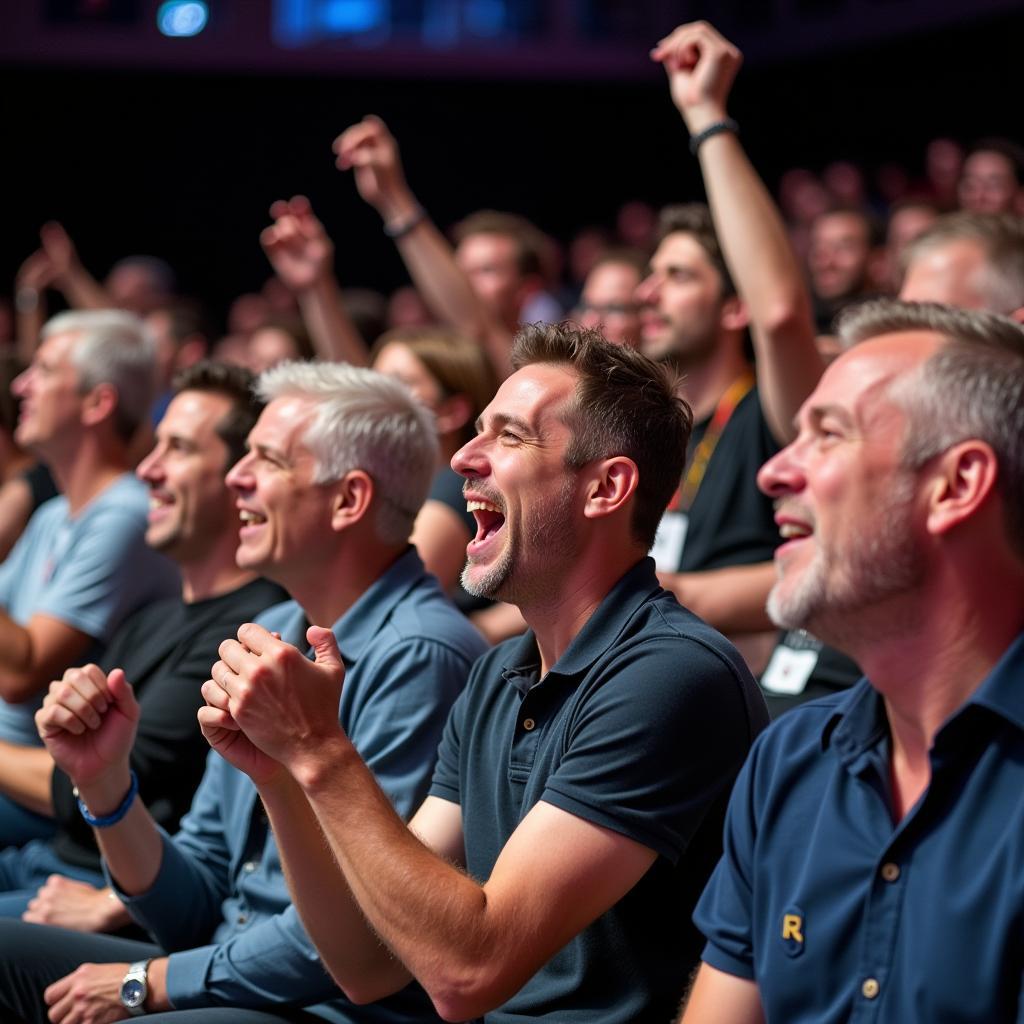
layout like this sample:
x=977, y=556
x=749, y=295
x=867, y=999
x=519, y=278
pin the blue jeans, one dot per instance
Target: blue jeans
x=19, y=825
x=23, y=872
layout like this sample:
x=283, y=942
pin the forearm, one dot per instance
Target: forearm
x=15, y=652
x=25, y=776
x=730, y=599
x=82, y=290
x=15, y=510
x=30, y=306
x=433, y=917
x=767, y=276
x=331, y=329
x=348, y=946
x=430, y=260
x=132, y=848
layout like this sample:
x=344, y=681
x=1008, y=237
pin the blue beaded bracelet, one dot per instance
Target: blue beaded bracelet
x=114, y=817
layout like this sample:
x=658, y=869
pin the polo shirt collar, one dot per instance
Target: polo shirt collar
x=598, y=634
x=361, y=623
x=859, y=721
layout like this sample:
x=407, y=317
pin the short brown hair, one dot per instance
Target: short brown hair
x=694, y=219
x=458, y=365
x=625, y=404
x=530, y=241
x=234, y=383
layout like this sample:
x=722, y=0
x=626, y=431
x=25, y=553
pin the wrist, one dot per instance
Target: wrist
x=699, y=117
x=104, y=794
x=156, y=977
x=398, y=206
x=318, y=765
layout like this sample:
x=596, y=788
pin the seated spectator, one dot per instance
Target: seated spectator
x=970, y=260
x=974, y=261
x=18, y=498
x=873, y=856
x=608, y=300
x=279, y=340
x=165, y=649
x=992, y=176
x=843, y=242
x=908, y=219
x=338, y=464
x=705, y=288
x=82, y=564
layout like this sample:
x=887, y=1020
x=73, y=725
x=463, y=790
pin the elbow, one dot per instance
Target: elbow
x=17, y=687
x=788, y=316
x=469, y=993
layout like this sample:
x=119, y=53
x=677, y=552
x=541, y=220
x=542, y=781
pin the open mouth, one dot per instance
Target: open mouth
x=489, y=522
x=792, y=531
x=248, y=518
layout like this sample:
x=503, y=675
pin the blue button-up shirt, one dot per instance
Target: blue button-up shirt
x=841, y=915
x=220, y=904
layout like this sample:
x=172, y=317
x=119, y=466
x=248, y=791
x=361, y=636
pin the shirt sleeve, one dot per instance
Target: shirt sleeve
x=104, y=575
x=657, y=744
x=194, y=871
x=397, y=722
x=724, y=912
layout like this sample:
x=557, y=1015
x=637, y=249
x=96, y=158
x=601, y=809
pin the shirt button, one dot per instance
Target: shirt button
x=890, y=872
x=249, y=867
x=870, y=988
x=529, y=724
x=242, y=918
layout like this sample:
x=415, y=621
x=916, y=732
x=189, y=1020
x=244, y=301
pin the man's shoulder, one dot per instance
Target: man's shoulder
x=798, y=741
x=424, y=613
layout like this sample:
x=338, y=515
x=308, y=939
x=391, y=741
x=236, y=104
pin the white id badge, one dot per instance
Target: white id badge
x=667, y=548
x=788, y=670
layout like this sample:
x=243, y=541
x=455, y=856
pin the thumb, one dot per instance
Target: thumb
x=122, y=694
x=325, y=647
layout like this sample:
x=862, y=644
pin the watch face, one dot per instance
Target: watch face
x=133, y=993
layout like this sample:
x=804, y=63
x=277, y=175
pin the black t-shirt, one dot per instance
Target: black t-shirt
x=40, y=484
x=730, y=521
x=166, y=650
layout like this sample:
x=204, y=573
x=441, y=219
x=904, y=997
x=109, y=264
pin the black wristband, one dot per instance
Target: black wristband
x=398, y=229
x=726, y=125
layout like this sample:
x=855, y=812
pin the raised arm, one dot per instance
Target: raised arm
x=70, y=277
x=701, y=66
x=371, y=152
x=302, y=255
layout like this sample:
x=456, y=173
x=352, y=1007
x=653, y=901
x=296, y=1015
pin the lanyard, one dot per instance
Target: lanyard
x=683, y=499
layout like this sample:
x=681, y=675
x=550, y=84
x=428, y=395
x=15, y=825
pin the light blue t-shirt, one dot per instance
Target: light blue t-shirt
x=90, y=571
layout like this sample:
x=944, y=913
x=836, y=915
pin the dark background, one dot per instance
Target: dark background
x=140, y=147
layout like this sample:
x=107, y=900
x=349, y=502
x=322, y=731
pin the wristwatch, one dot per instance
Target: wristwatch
x=135, y=988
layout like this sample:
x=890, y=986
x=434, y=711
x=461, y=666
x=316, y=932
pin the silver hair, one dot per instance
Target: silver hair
x=972, y=387
x=366, y=421
x=1001, y=238
x=113, y=347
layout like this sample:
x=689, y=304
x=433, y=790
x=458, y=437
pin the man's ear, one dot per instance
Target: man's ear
x=734, y=316
x=610, y=486
x=99, y=403
x=453, y=414
x=353, y=495
x=962, y=480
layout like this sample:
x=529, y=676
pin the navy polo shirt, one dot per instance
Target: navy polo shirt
x=640, y=727
x=840, y=915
